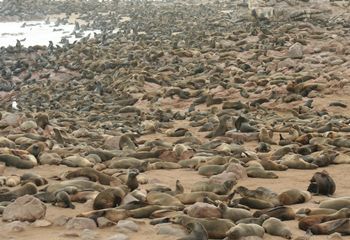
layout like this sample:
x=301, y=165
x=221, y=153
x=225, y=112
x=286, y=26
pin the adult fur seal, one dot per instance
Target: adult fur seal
x=93, y=175
x=193, y=197
x=28, y=188
x=341, y=226
x=14, y=161
x=322, y=183
x=306, y=222
x=234, y=214
x=109, y=198
x=213, y=187
x=281, y=212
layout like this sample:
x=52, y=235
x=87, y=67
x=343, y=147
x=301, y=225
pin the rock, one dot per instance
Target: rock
x=80, y=223
x=42, y=223
x=27, y=125
x=26, y=208
x=296, y=51
x=10, y=119
x=118, y=236
x=4, y=142
x=60, y=221
x=128, y=224
x=87, y=234
x=103, y=222
x=171, y=229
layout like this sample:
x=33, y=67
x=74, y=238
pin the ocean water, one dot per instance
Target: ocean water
x=36, y=33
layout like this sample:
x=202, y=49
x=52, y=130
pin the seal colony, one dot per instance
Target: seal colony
x=195, y=120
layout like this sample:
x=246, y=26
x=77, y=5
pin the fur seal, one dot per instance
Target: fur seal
x=36, y=149
x=109, y=198
x=233, y=214
x=131, y=180
x=206, y=186
x=276, y=227
x=256, y=170
x=266, y=137
x=28, y=188
x=336, y=203
x=216, y=228
x=203, y=210
x=210, y=170
x=34, y=178
x=128, y=163
x=255, y=203
x=62, y=199
x=42, y=120
x=79, y=185
x=281, y=212
x=296, y=162
x=322, y=183
x=315, y=211
x=259, y=221
x=293, y=196
x=260, y=193
x=112, y=214
x=197, y=232
x=77, y=161
x=147, y=211
x=341, y=226
x=163, y=199
x=306, y=222
x=93, y=175
x=13, y=180
x=193, y=197
x=245, y=230
x=14, y=161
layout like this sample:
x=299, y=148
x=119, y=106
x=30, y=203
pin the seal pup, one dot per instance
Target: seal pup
x=322, y=183
x=276, y=227
x=245, y=230
x=62, y=199
x=197, y=232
